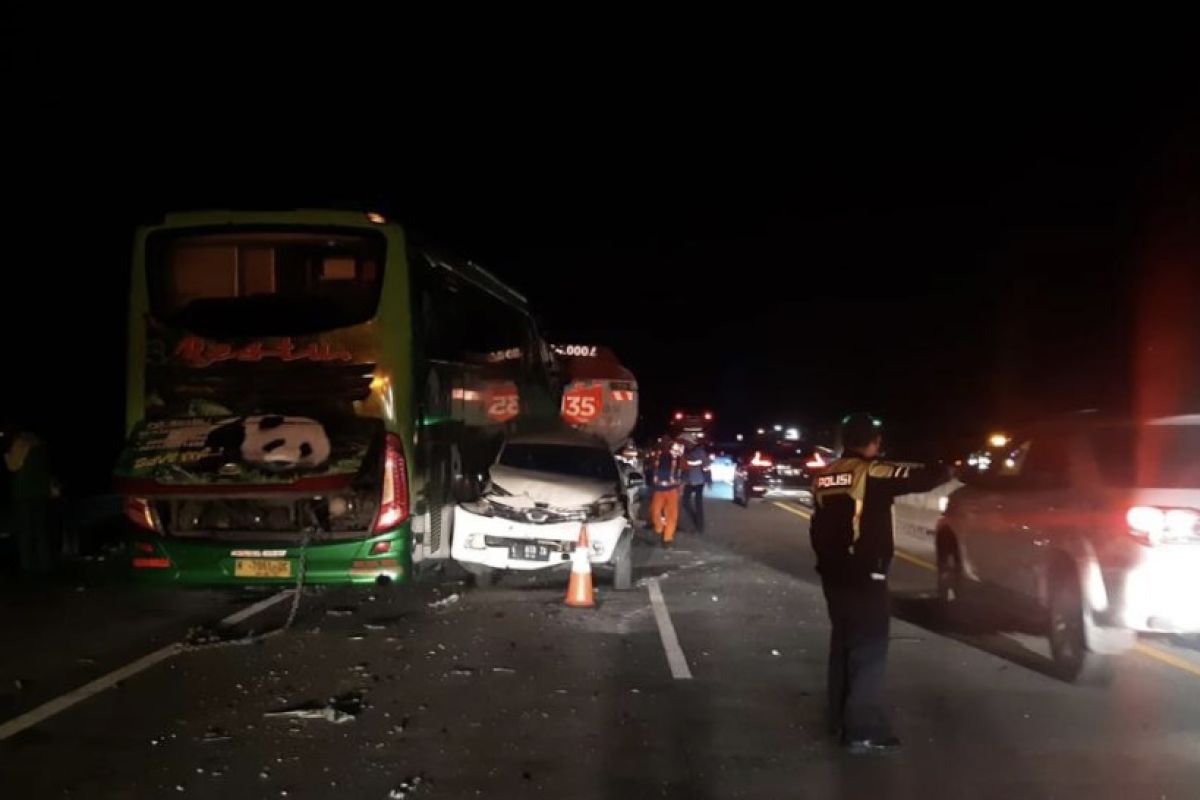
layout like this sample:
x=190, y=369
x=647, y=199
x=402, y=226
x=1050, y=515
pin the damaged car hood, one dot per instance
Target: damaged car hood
x=527, y=488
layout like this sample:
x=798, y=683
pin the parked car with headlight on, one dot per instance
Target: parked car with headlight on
x=542, y=489
x=1090, y=527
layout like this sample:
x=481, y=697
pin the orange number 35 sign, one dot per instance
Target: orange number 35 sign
x=580, y=406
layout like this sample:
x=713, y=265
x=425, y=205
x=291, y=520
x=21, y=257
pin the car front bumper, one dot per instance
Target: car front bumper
x=485, y=540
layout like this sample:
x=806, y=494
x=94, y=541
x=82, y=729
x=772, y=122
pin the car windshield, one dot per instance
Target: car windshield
x=1163, y=456
x=572, y=460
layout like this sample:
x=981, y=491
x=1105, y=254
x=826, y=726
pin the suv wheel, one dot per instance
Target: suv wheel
x=1072, y=660
x=951, y=583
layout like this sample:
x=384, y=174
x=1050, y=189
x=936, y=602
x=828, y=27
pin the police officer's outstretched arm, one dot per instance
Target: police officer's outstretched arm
x=897, y=479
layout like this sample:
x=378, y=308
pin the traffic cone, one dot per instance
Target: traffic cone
x=579, y=590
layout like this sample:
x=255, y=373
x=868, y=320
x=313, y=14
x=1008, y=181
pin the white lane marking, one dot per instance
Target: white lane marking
x=61, y=703
x=261, y=605
x=666, y=631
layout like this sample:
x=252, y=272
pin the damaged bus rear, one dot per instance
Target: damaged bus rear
x=273, y=423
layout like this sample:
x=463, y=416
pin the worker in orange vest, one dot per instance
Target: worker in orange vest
x=667, y=479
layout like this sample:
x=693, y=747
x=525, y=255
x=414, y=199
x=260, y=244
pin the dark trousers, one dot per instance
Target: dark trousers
x=693, y=501
x=858, y=643
x=37, y=543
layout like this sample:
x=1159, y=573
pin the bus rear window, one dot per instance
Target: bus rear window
x=264, y=282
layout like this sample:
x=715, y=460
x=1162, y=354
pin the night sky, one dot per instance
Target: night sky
x=952, y=256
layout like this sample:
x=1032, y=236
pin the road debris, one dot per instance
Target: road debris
x=776, y=653
x=338, y=710
x=327, y=713
x=462, y=672
x=214, y=735
x=504, y=670
x=445, y=602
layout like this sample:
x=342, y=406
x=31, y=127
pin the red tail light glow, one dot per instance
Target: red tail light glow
x=393, y=499
x=816, y=461
x=140, y=513
x=760, y=460
x=379, y=548
x=152, y=563
x=708, y=416
x=678, y=415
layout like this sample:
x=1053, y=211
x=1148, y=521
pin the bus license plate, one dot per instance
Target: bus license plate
x=262, y=568
x=528, y=551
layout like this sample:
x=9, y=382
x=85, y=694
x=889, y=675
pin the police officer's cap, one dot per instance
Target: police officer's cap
x=860, y=429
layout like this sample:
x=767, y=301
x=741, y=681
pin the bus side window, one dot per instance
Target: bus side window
x=468, y=325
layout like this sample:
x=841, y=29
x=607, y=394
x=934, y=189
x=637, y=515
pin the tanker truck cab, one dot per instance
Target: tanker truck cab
x=305, y=390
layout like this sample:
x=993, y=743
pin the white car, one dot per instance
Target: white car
x=722, y=469
x=1089, y=525
x=541, y=491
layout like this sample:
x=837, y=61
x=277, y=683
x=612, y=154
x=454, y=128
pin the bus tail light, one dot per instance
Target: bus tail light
x=139, y=511
x=393, y=499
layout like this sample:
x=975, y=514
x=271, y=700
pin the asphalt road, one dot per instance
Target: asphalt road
x=505, y=693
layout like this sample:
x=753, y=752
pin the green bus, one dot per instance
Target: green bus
x=312, y=390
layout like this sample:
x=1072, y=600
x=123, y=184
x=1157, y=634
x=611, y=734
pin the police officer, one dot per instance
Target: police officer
x=852, y=536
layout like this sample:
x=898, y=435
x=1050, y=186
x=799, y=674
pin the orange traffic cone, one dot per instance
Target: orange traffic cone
x=579, y=590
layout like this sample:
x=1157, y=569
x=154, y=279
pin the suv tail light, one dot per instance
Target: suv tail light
x=1154, y=525
x=816, y=461
x=760, y=460
x=393, y=498
x=141, y=513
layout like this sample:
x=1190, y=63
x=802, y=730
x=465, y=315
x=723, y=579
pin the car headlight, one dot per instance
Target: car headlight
x=481, y=507
x=606, y=508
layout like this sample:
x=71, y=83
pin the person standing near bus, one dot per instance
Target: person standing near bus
x=667, y=479
x=31, y=489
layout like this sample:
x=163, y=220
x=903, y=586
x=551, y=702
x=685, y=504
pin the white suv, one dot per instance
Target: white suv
x=1091, y=525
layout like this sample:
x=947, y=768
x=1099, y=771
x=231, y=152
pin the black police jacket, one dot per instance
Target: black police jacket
x=851, y=527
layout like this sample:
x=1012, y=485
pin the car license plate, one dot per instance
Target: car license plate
x=262, y=568
x=789, y=472
x=529, y=551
